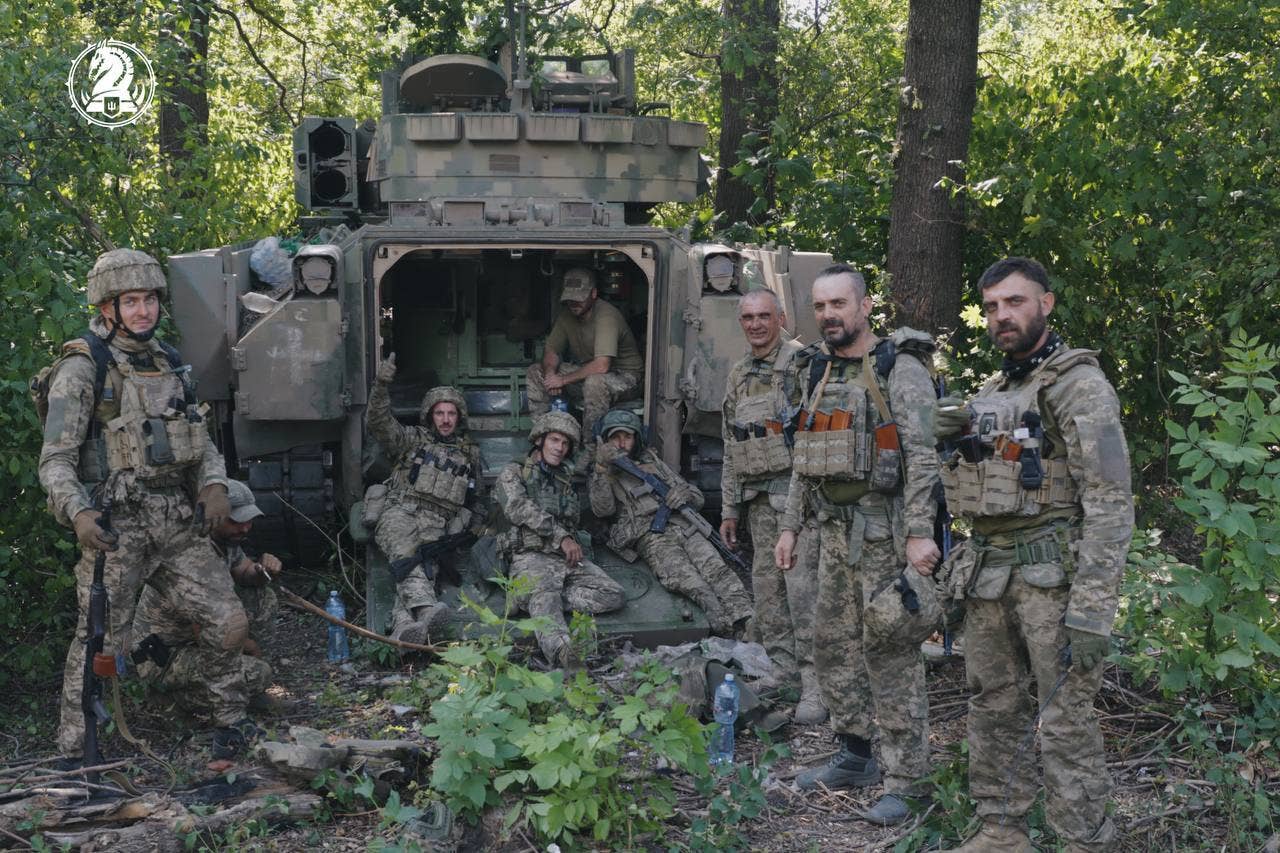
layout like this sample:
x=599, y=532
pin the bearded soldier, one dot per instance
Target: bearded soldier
x=1042, y=468
x=864, y=462
x=124, y=431
x=761, y=394
x=431, y=493
x=681, y=557
x=167, y=643
x=543, y=543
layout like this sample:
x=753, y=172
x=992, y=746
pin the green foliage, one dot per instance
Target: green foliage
x=735, y=795
x=1215, y=625
x=551, y=749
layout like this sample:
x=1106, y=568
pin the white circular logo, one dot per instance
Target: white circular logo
x=111, y=83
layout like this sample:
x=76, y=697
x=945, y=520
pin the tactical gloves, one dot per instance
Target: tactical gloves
x=950, y=417
x=90, y=534
x=212, y=507
x=606, y=452
x=679, y=495
x=1087, y=650
x=387, y=370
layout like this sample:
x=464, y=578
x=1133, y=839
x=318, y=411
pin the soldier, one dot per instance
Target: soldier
x=167, y=641
x=871, y=486
x=683, y=559
x=1043, y=472
x=761, y=394
x=431, y=493
x=604, y=364
x=123, y=429
x=539, y=506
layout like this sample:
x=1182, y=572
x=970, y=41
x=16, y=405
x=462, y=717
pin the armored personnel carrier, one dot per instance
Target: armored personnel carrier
x=445, y=228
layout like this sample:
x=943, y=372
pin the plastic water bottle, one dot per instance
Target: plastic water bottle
x=339, y=650
x=559, y=404
x=725, y=708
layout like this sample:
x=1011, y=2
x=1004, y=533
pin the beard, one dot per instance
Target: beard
x=1024, y=339
x=838, y=337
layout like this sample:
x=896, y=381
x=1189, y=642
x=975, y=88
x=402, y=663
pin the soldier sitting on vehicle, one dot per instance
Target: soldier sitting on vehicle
x=539, y=506
x=431, y=499
x=683, y=558
x=167, y=637
x=604, y=362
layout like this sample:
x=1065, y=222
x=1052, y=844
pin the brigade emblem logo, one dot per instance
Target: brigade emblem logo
x=111, y=83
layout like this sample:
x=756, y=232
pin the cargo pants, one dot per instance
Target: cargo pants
x=556, y=587
x=596, y=394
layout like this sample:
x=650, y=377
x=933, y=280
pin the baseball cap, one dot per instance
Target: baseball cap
x=243, y=507
x=578, y=283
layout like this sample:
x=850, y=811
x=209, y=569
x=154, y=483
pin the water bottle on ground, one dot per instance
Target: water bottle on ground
x=725, y=708
x=339, y=650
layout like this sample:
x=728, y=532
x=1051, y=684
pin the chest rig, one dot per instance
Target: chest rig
x=145, y=419
x=758, y=444
x=555, y=495
x=438, y=473
x=1014, y=463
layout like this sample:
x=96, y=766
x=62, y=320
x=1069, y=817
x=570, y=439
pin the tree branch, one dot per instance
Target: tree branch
x=244, y=38
x=302, y=94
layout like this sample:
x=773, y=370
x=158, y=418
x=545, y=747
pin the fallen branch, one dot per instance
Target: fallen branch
x=300, y=603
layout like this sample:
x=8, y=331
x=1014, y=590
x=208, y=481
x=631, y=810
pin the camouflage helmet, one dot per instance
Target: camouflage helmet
x=122, y=270
x=554, y=421
x=443, y=394
x=888, y=616
x=621, y=419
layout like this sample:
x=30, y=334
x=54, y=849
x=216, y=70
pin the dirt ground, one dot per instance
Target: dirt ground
x=1153, y=809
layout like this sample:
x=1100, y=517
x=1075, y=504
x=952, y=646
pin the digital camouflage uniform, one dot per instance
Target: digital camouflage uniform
x=94, y=446
x=1039, y=562
x=539, y=508
x=754, y=481
x=869, y=685
x=431, y=492
x=604, y=333
x=185, y=672
x=681, y=558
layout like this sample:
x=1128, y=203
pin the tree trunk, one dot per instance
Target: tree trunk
x=183, y=84
x=748, y=103
x=935, y=117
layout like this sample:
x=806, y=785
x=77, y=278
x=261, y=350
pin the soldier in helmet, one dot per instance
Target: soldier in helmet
x=603, y=364
x=1046, y=483
x=431, y=493
x=167, y=645
x=543, y=543
x=124, y=430
x=683, y=559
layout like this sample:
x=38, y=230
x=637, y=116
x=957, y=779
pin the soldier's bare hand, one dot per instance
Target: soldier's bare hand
x=90, y=534
x=729, y=532
x=271, y=563
x=607, y=451
x=387, y=369
x=784, y=553
x=553, y=382
x=572, y=551
x=923, y=554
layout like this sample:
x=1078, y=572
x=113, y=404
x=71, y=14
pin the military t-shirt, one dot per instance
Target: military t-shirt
x=605, y=333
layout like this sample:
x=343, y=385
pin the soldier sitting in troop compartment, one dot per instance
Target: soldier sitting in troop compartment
x=604, y=363
x=761, y=393
x=166, y=639
x=431, y=494
x=542, y=542
x=1041, y=466
x=864, y=462
x=124, y=430
x=682, y=559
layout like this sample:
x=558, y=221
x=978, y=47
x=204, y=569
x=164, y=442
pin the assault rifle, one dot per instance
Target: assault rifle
x=659, y=523
x=97, y=665
x=427, y=552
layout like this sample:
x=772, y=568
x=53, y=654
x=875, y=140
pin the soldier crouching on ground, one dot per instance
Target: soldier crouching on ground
x=1042, y=468
x=124, y=430
x=431, y=494
x=539, y=506
x=761, y=393
x=167, y=647
x=864, y=461
x=604, y=363
x=683, y=560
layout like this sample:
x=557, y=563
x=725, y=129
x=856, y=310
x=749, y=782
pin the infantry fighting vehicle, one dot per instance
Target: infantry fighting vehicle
x=445, y=228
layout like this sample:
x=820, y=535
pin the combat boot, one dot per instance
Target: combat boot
x=845, y=770
x=431, y=624
x=811, y=710
x=994, y=838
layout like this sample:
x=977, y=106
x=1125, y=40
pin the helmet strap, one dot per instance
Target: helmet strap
x=117, y=324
